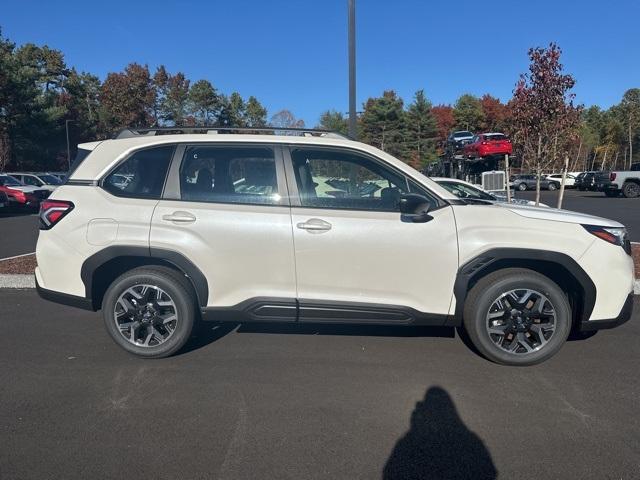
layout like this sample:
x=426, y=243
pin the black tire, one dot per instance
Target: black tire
x=522, y=187
x=553, y=186
x=481, y=298
x=631, y=190
x=173, y=286
x=612, y=193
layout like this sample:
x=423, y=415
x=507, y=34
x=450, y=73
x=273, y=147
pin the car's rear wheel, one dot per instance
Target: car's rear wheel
x=552, y=186
x=149, y=311
x=517, y=317
x=522, y=187
x=631, y=190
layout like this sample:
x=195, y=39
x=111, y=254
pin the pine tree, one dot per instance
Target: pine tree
x=421, y=130
x=383, y=123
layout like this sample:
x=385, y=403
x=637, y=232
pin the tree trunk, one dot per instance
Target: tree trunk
x=604, y=160
x=575, y=164
x=564, y=177
x=538, y=169
x=630, y=146
x=615, y=160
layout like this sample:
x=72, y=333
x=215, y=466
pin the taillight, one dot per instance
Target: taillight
x=485, y=143
x=52, y=211
x=612, y=176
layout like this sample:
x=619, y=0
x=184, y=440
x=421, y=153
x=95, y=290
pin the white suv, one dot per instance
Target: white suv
x=159, y=229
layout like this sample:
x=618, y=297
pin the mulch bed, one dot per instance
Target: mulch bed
x=27, y=264
x=635, y=250
x=21, y=265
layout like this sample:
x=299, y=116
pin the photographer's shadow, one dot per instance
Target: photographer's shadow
x=438, y=445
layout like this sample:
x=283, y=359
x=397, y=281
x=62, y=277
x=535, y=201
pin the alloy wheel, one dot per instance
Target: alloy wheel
x=521, y=321
x=145, y=315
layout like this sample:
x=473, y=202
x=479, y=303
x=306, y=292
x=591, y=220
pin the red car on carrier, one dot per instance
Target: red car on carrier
x=488, y=144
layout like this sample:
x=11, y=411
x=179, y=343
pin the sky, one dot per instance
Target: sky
x=293, y=53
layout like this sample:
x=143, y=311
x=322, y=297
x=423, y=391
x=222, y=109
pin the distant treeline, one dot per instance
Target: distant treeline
x=40, y=95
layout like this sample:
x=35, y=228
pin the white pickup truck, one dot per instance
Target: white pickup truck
x=626, y=182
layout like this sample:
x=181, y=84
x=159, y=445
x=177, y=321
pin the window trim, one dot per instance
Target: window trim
x=173, y=189
x=117, y=165
x=294, y=194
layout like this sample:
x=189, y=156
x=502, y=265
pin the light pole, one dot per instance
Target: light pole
x=66, y=127
x=352, y=69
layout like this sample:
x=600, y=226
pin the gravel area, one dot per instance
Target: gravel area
x=21, y=265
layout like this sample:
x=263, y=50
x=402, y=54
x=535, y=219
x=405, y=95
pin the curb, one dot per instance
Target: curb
x=29, y=281
x=17, y=281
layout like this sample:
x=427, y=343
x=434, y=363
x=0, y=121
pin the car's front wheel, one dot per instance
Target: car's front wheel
x=522, y=187
x=552, y=186
x=517, y=317
x=149, y=311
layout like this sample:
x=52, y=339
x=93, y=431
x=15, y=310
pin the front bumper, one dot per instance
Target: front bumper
x=623, y=317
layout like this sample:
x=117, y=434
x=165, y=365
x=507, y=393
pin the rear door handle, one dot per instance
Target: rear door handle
x=180, y=217
x=314, y=225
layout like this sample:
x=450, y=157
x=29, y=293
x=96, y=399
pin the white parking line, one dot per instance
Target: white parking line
x=17, y=256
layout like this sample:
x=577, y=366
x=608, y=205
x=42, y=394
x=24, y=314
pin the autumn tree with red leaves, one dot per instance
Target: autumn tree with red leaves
x=545, y=120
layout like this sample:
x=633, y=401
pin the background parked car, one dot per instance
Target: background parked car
x=626, y=182
x=470, y=191
x=20, y=195
x=487, y=144
x=457, y=140
x=586, y=181
x=569, y=181
x=528, y=182
x=42, y=180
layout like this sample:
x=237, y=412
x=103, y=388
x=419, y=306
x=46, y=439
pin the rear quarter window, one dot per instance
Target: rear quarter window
x=142, y=175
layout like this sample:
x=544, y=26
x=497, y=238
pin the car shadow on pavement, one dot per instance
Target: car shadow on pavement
x=296, y=328
x=206, y=332
x=438, y=445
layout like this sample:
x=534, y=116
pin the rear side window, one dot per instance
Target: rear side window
x=142, y=175
x=229, y=174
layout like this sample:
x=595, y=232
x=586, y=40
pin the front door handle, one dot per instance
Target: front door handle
x=180, y=217
x=314, y=225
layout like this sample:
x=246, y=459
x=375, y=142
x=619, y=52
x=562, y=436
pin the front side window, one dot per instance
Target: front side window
x=33, y=181
x=462, y=190
x=345, y=180
x=228, y=174
x=8, y=181
x=142, y=175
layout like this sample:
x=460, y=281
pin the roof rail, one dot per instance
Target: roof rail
x=307, y=132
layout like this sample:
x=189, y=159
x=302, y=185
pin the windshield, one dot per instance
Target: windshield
x=49, y=179
x=462, y=190
x=8, y=181
x=495, y=136
x=462, y=134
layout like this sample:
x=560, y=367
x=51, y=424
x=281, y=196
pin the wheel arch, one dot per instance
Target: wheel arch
x=100, y=269
x=559, y=267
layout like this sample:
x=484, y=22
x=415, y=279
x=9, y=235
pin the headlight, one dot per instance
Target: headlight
x=616, y=235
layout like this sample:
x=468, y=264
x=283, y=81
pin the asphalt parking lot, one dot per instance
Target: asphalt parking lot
x=304, y=402
x=623, y=210
x=18, y=233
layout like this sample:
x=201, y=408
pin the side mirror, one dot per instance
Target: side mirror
x=415, y=208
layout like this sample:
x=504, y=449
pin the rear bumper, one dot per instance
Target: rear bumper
x=623, y=317
x=64, y=298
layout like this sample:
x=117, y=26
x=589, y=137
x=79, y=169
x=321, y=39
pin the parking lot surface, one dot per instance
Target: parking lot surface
x=18, y=234
x=305, y=402
x=623, y=210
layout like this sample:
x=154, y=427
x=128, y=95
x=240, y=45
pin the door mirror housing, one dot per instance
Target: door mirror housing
x=415, y=208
